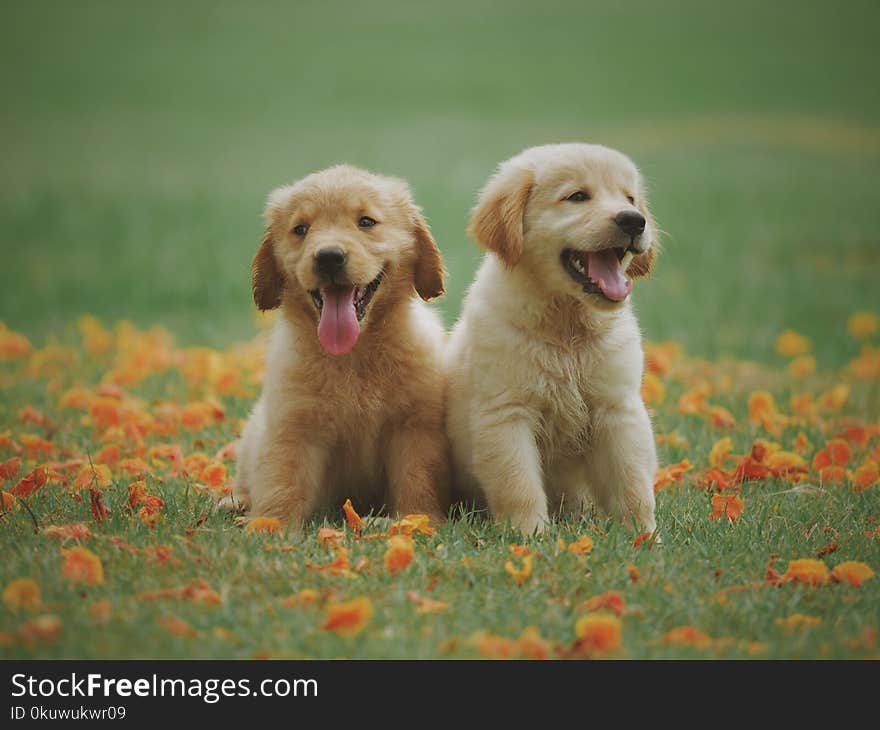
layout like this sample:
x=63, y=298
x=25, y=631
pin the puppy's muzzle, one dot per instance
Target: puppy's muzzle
x=330, y=263
x=632, y=224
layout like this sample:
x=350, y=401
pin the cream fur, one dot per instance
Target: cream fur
x=544, y=405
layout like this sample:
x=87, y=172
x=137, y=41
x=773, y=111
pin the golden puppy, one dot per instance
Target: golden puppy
x=352, y=402
x=545, y=364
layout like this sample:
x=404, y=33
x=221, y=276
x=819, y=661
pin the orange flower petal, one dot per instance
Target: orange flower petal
x=94, y=476
x=790, y=343
x=348, y=618
x=263, y=524
x=351, y=517
x=426, y=605
x=798, y=622
x=81, y=565
x=667, y=475
x=693, y=401
x=22, y=593
x=720, y=451
x=726, y=505
x=867, y=475
x=653, y=390
x=686, y=636
x=598, y=633
x=611, y=601
x=862, y=325
x=177, y=627
x=761, y=404
x=9, y=469
x=327, y=535
x=306, y=597
x=399, y=554
x=581, y=546
x=835, y=398
x=787, y=463
x=721, y=418
x=802, y=366
x=339, y=566
x=520, y=574
x=411, y=524
x=531, y=645
x=44, y=629
x=853, y=572
x=806, y=570
x=78, y=531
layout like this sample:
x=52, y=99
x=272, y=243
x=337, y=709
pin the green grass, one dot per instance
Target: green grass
x=139, y=142
x=680, y=578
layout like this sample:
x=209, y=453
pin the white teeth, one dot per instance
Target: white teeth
x=578, y=266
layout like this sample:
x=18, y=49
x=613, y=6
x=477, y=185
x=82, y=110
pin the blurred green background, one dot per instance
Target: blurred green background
x=141, y=139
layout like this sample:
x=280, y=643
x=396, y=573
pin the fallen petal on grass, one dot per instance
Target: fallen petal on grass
x=81, y=565
x=22, y=593
x=853, y=572
x=348, y=618
x=806, y=570
x=598, y=633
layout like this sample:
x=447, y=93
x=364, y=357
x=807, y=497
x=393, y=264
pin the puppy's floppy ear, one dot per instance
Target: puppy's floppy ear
x=643, y=264
x=497, y=219
x=267, y=280
x=429, y=277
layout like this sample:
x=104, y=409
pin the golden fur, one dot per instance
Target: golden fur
x=369, y=424
x=544, y=405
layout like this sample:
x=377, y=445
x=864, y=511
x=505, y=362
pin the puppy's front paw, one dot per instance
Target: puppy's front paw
x=532, y=523
x=643, y=513
x=232, y=503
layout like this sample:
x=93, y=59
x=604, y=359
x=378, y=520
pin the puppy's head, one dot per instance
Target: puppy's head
x=339, y=244
x=570, y=213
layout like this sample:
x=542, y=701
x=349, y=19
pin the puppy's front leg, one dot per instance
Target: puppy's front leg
x=418, y=470
x=508, y=467
x=287, y=481
x=622, y=462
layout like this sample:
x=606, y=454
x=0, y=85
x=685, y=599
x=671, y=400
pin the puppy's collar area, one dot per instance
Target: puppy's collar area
x=599, y=272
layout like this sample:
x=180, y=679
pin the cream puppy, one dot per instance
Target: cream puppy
x=545, y=363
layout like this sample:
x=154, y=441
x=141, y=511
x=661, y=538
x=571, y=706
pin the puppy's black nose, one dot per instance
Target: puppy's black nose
x=330, y=261
x=631, y=222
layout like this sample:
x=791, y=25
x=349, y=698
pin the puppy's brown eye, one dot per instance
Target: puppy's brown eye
x=631, y=199
x=578, y=197
x=301, y=229
x=366, y=222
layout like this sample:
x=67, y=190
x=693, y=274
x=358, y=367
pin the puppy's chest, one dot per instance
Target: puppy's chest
x=353, y=427
x=358, y=409
x=564, y=393
x=354, y=408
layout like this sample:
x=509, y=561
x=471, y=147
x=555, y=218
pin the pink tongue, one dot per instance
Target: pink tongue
x=338, y=329
x=603, y=267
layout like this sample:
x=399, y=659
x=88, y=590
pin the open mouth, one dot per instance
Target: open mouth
x=341, y=309
x=361, y=296
x=598, y=272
